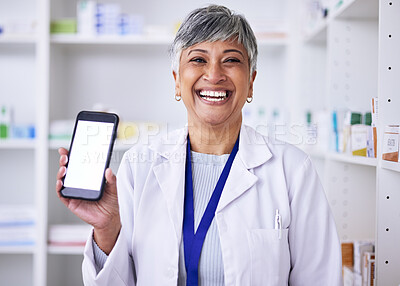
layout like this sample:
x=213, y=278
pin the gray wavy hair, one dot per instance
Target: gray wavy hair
x=210, y=24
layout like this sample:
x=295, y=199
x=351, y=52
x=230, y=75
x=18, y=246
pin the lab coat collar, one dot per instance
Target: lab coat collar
x=170, y=173
x=253, y=147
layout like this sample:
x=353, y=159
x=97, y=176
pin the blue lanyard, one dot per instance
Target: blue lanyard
x=193, y=242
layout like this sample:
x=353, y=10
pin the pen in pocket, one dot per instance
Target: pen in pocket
x=278, y=223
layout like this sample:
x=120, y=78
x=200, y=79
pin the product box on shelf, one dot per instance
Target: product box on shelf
x=17, y=225
x=69, y=234
x=347, y=254
x=5, y=121
x=18, y=26
x=390, y=148
x=374, y=123
x=348, y=276
x=359, y=135
x=63, y=26
x=361, y=247
x=94, y=18
x=368, y=271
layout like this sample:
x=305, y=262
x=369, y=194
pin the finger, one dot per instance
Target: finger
x=59, y=184
x=111, y=181
x=61, y=172
x=62, y=151
x=63, y=160
x=110, y=177
x=63, y=156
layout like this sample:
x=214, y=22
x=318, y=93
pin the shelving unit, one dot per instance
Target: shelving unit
x=341, y=44
x=358, y=187
x=18, y=89
x=349, y=9
x=392, y=166
x=388, y=176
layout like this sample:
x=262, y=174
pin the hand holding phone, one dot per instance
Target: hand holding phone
x=102, y=214
x=90, y=154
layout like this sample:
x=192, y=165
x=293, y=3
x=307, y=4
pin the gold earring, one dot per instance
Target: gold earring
x=177, y=97
x=249, y=99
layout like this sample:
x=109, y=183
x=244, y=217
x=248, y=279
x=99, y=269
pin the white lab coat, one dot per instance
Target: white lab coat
x=264, y=177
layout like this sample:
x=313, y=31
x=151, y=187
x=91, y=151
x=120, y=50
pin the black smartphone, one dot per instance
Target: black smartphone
x=89, y=155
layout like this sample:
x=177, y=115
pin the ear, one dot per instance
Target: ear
x=253, y=77
x=177, y=83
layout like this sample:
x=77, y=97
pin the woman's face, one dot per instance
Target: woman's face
x=214, y=82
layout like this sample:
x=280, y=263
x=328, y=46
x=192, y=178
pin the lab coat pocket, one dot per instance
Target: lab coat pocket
x=270, y=257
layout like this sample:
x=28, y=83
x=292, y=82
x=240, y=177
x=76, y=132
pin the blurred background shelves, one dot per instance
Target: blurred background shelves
x=318, y=33
x=17, y=39
x=17, y=144
x=111, y=40
x=358, y=160
x=65, y=250
x=17, y=249
x=316, y=66
x=341, y=9
x=356, y=9
x=65, y=39
x=340, y=157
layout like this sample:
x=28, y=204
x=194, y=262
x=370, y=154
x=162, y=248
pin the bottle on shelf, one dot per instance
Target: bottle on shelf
x=5, y=122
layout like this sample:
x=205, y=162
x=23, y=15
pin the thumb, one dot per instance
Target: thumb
x=111, y=179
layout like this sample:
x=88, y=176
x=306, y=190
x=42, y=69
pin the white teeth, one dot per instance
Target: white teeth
x=211, y=93
x=213, y=96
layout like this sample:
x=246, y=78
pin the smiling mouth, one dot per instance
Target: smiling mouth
x=214, y=96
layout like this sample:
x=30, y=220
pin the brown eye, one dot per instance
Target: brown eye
x=198, y=60
x=232, y=60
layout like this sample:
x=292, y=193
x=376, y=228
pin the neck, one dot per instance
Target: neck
x=216, y=140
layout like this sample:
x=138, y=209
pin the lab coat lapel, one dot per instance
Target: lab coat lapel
x=170, y=175
x=253, y=152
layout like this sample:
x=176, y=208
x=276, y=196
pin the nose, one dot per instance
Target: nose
x=214, y=73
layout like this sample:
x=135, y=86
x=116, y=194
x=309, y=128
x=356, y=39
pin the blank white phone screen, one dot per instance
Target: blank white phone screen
x=88, y=155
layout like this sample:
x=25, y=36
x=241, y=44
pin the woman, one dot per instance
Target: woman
x=215, y=203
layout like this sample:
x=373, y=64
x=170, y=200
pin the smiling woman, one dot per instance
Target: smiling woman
x=214, y=84
x=214, y=66
x=215, y=203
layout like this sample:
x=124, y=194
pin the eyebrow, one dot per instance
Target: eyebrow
x=225, y=52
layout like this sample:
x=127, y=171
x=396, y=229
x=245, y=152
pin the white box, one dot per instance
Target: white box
x=86, y=17
x=360, y=247
x=358, y=145
x=348, y=276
